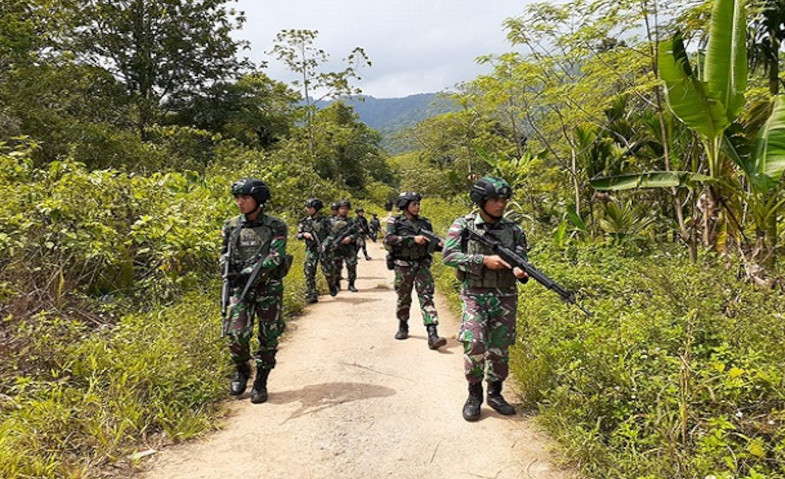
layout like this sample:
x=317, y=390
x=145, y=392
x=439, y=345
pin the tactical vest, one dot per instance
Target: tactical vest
x=337, y=226
x=316, y=226
x=406, y=227
x=489, y=278
x=252, y=244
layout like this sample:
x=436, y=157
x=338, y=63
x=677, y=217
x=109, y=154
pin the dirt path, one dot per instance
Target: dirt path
x=347, y=400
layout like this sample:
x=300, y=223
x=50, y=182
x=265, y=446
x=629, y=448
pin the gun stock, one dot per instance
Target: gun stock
x=515, y=259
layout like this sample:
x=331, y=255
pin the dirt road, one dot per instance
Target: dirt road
x=347, y=400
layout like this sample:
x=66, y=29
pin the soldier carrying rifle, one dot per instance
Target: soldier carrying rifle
x=313, y=230
x=254, y=261
x=411, y=242
x=339, y=247
x=488, y=292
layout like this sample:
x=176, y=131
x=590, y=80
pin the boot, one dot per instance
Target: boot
x=367, y=258
x=403, y=330
x=311, y=300
x=496, y=401
x=333, y=290
x=352, y=288
x=240, y=379
x=471, y=409
x=434, y=341
x=259, y=391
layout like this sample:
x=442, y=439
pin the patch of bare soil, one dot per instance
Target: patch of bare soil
x=347, y=400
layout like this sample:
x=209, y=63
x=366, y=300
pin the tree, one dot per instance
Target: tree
x=295, y=48
x=160, y=50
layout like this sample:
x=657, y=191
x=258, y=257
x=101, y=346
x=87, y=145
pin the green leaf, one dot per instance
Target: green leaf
x=688, y=97
x=651, y=179
x=769, y=150
x=576, y=220
x=726, y=55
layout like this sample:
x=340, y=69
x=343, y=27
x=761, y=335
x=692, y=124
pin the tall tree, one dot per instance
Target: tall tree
x=296, y=49
x=161, y=50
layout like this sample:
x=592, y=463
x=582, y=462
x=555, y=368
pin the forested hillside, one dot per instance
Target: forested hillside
x=644, y=142
x=394, y=114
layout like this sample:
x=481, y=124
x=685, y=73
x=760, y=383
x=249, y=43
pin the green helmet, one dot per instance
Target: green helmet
x=403, y=199
x=489, y=187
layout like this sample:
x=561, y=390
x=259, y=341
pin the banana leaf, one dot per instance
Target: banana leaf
x=651, y=179
x=726, y=56
x=768, y=158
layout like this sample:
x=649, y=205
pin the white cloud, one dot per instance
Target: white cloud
x=415, y=46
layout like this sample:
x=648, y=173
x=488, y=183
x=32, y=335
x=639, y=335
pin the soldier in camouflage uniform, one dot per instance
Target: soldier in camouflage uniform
x=412, y=261
x=345, y=249
x=313, y=230
x=375, y=226
x=250, y=238
x=364, y=232
x=488, y=292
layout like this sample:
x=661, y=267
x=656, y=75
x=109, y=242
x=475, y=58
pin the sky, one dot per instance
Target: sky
x=415, y=46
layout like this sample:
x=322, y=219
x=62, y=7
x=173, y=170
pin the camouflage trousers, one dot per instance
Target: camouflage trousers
x=361, y=246
x=266, y=308
x=487, y=332
x=336, y=259
x=417, y=276
x=310, y=265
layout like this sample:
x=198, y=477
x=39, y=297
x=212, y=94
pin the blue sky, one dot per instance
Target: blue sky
x=415, y=46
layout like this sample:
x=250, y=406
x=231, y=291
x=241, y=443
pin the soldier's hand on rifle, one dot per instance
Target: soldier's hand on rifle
x=420, y=239
x=495, y=261
x=347, y=240
x=519, y=273
x=308, y=236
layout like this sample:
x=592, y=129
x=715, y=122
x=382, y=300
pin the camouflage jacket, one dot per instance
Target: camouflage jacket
x=318, y=226
x=252, y=241
x=467, y=256
x=399, y=238
x=339, y=225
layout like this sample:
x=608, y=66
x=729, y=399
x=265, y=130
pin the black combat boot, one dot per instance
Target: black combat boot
x=311, y=300
x=333, y=290
x=259, y=391
x=471, y=409
x=240, y=379
x=434, y=341
x=496, y=401
x=403, y=330
x=367, y=258
x=352, y=288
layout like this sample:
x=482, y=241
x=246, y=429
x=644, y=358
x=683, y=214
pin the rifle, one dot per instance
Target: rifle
x=515, y=259
x=344, y=233
x=433, y=239
x=315, y=237
x=225, y=310
x=226, y=292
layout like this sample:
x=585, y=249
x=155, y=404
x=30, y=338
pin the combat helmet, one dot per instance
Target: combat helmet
x=489, y=187
x=359, y=209
x=253, y=187
x=345, y=203
x=403, y=199
x=314, y=203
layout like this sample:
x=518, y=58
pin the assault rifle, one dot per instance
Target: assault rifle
x=344, y=233
x=515, y=259
x=433, y=239
x=226, y=292
x=226, y=311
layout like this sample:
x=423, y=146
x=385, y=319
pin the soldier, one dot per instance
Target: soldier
x=313, y=230
x=364, y=231
x=412, y=263
x=339, y=247
x=334, y=209
x=250, y=239
x=488, y=292
x=375, y=226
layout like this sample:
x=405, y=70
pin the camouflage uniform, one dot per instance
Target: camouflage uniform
x=261, y=240
x=364, y=232
x=336, y=255
x=318, y=226
x=375, y=227
x=412, y=267
x=490, y=298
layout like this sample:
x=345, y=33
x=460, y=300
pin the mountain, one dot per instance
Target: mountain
x=389, y=115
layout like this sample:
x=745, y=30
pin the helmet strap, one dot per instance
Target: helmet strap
x=495, y=219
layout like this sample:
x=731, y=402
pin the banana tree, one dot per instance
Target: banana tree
x=707, y=100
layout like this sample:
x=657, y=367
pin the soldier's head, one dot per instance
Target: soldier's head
x=313, y=205
x=374, y=215
x=491, y=195
x=334, y=208
x=409, y=202
x=360, y=211
x=343, y=207
x=250, y=194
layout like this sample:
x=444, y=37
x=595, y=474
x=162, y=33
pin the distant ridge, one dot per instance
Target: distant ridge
x=389, y=115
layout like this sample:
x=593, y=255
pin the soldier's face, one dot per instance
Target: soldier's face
x=495, y=206
x=343, y=210
x=311, y=210
x=245, y=203
x=413, y=208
